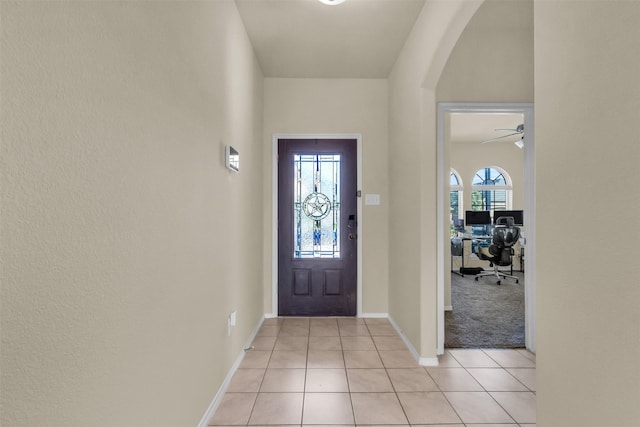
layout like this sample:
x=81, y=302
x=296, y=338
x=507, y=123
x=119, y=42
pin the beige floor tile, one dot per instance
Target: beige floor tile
x=369, y=380
x=473, y=358
x=427, y=408
x=277, y=408
x=288, y=359
x=354, y=330
x=283, y=380
x=324, y=330
x=331, y=425
x=521, y=406
x=385, y=342
x=327, y=408
x=454, y=379
x=494, y=379
x=446, y=360
x=397, y=425
x=234, y=409
x=526, y=353
x=332, y=372
x=492, y=425
x=246, y=380
x=439, y=425
x=273, y=321
x=477, y=407
x=264, y=343
x=526, y=376
x=296, y=321
x=358, y=343
x=323, y=321
x=382, y=329
x=326, y=381
x=268, y=331
x=377, y=408
x=350, y=321
x=325, y=343
x=362, y=359
x=398, y=359
x=255, y=359
x=325, y=359
x=412, y=379
x=290, y=330
x=508, y=358
x=288, y=343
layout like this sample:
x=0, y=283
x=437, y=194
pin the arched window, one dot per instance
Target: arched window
x=491, y=190
x=455, y=200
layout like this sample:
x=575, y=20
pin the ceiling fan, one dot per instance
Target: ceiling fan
x=519, y=130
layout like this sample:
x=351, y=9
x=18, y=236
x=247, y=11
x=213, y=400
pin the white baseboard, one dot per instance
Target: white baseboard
x=375, y=315
x=428, y=361
x=448, y=308
x=422, y=361
x=204, y=422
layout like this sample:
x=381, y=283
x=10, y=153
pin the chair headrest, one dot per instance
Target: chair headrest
x=509, y=221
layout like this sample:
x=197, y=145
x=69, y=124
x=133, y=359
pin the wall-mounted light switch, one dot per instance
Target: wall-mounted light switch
x=371, y=199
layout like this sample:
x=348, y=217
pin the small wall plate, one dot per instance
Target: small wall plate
x=232, y=158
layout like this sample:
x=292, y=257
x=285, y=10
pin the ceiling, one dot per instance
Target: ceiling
x=308, y=39
x=362, y=39
x=478, y=127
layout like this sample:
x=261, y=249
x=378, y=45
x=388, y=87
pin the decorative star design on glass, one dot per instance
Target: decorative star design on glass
x=316, y=206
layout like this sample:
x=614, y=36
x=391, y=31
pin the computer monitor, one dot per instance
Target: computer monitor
x=518, y=216
x=477, y=218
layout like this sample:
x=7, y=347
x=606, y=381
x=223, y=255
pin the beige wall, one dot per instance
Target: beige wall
x=493, y=60
x=463, y=67
x=336, y=106
x=587, y=156
x=412, y=169
x=125, y=241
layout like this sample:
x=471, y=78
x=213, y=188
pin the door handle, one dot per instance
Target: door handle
x=352, y=225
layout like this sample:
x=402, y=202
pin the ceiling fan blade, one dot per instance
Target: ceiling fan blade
x=519, y=129
x=499, y=137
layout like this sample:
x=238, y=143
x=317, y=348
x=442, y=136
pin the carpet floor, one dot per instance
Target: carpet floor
x=484, y=314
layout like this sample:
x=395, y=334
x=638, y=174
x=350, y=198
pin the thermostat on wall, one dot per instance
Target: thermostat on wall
x=232, y=158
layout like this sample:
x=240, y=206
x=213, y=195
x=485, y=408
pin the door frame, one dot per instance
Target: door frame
x=274, y=211
x=527, y=109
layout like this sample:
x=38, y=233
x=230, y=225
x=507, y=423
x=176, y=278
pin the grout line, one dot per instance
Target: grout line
x=346, y=375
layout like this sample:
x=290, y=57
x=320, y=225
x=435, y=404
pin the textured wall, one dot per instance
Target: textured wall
x=125, y=241
x=412, y=169
x=493, y=60
x=587, y=156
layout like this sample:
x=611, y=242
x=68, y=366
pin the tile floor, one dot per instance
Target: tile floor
x=348, y=371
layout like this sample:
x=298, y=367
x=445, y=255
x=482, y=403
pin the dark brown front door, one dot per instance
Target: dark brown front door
x=317, y=246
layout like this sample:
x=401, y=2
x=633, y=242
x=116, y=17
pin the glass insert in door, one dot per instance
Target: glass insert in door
x=316, y=205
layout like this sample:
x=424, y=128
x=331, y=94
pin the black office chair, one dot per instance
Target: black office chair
x=500, y=252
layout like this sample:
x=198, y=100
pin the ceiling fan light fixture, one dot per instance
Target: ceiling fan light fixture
x=331, y=2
